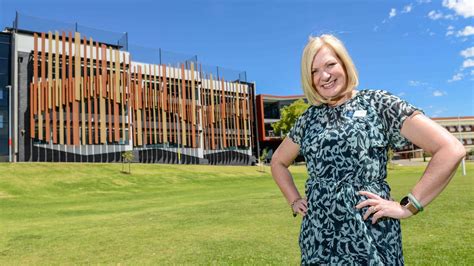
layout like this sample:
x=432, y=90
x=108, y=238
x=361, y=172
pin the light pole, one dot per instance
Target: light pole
x=463, y=162
x=10, y=108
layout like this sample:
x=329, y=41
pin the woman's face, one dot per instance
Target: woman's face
x=329, y=75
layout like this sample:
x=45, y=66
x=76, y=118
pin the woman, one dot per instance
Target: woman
x=348, y=215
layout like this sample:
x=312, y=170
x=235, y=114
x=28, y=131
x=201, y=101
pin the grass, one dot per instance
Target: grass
x=170, y=214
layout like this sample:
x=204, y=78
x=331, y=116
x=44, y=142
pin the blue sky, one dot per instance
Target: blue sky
x=421, y=50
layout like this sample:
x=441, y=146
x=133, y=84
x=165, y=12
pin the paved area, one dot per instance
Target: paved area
x=411, y=162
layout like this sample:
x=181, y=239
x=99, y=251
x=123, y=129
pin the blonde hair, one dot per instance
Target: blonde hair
x=313, y=46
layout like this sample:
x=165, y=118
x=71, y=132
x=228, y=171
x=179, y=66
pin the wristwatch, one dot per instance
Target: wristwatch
x=406, y=202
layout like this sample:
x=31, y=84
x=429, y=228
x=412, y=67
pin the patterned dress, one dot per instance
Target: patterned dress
x=345, y=148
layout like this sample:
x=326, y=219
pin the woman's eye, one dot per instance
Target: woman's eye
x=332, y=64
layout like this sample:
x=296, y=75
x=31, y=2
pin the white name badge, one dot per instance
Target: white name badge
x=360, y=113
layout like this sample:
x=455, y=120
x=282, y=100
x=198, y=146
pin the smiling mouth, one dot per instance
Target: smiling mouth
x=329, y=85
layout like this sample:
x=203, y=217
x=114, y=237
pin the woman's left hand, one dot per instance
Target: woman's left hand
x=380, y=207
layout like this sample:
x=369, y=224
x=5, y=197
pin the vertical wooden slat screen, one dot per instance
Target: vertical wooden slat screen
x=188, y=109
x=40, y=90
x=69, y=90
x=96, y=96
x=83, y=90
x=50, y=69
x=50, y=87
x=133, y=96
x=193, y=107
x=46, y=91
x=62, y=88
x=223, y=116
x=145, y=106
x=164, y=104
x=139, y=99
x=102, y=93
x=34, y=88
x=110, y=95
x=124, y=96
x=57, y=114
x=87, y=78
x=96, y=93
x=183, y=107
x=244, y=104
x=158, y=96
x=117, y=101
x=154, y=97
x=129, y=98
x=237, y=108
x=174, y=118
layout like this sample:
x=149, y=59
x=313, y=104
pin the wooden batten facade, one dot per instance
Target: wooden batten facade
x=83, y=92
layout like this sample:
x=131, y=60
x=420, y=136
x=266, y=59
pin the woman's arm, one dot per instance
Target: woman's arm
x=281, y=160
x=447, y=152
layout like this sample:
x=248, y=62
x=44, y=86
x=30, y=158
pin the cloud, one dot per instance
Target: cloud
x=393, y=13
x=468, y=30
x=456, y=77
x=434, y=15
x=469, y=52
x=416, y=83
x=438, y=93
x=450, y=30
x=407, y=8
x=463, y=8
x=437, y=112
x=401, y=94
x=423, y=1
x=449, y=16
x=468, y=63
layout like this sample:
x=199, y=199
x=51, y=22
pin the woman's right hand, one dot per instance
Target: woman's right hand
x=300, y=206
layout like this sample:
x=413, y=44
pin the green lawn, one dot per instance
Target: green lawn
x=169, y=214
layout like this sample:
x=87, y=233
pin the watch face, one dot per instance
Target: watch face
x=404, y=201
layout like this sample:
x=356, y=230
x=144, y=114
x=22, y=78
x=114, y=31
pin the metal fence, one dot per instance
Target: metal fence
x=36, y=24
x=142, y=54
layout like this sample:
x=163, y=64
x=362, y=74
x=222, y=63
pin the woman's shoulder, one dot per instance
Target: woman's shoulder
x=374, y=93
x=377, y=97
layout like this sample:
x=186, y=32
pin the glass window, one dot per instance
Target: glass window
x=3, y=97
x=4, y=50
x=3, y=80
x=271, y=110
x=3, y=146
x=4, y=67
x=4, y=38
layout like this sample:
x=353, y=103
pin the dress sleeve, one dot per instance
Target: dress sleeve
x=393, y=112
x=296, y=133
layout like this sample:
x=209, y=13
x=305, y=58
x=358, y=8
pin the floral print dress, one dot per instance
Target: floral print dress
x=345, y=148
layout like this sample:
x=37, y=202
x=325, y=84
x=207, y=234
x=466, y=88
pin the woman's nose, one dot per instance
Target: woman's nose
x=325, y=76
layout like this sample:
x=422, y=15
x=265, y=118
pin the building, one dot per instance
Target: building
x=268, y=112
x=76, y=98
x=461, y=127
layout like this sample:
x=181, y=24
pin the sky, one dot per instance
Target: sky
x=420, y=50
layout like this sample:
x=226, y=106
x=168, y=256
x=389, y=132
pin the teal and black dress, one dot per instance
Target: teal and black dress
x=345, y=148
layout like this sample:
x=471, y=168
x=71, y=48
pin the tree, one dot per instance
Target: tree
x=390, y=155
x=262, y=158
x=289, y=115
x=127, y=157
